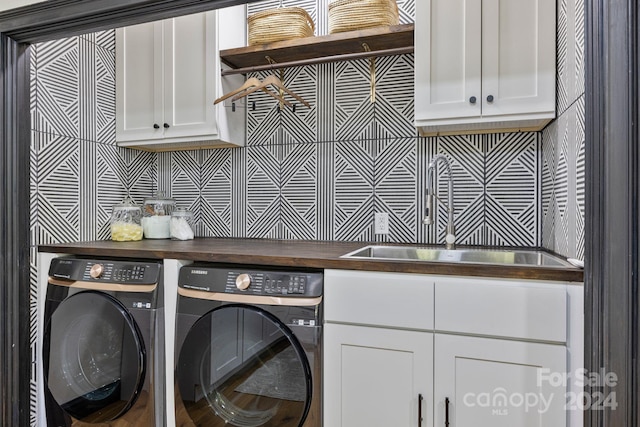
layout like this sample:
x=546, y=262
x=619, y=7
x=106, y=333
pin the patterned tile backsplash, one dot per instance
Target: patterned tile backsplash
x=563, y=142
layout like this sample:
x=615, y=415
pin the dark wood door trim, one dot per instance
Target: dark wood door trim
x=15, y=367
x=612, y=194
x=64, y=18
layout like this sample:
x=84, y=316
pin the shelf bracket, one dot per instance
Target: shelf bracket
x=372, y=72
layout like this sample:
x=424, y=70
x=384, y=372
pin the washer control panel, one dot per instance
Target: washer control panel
x=251, y=282
x=105, y=271
x=267, y=283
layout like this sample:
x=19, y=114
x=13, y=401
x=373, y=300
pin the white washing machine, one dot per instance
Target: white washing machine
x=102, y=359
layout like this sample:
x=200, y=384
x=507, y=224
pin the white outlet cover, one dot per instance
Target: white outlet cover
x=381, y=225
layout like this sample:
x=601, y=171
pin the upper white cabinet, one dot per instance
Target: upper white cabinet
x=168, y=77
x=484, y=65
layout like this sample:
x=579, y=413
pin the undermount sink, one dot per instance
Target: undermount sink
x=520, y=257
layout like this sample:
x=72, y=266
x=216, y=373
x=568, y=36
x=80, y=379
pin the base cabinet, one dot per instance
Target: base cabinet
x=377, y=377
x=498, y=383
x=408, y=350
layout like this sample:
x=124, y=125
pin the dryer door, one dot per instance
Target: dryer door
x=240, y=366
x=94, y=357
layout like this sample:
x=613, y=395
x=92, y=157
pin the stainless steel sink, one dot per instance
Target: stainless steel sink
x=521, y=257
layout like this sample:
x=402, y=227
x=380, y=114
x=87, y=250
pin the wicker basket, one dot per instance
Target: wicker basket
x=350, y=15
x=284, y=23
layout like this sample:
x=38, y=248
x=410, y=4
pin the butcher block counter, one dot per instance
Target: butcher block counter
x=299, y=253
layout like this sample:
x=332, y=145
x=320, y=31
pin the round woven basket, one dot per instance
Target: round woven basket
x=284, y=23
x=351, y=15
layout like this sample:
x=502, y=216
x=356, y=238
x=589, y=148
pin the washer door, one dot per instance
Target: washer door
x=94, y=357
x=240, y=366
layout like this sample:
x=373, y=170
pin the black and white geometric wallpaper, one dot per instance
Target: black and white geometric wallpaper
x=318, y=173
x=563, y=141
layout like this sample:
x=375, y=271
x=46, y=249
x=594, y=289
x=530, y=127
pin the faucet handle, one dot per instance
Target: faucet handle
x=428, y=220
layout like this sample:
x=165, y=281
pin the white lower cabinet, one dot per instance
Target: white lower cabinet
x=497, y=383
x=377, y=377
x=408, y=350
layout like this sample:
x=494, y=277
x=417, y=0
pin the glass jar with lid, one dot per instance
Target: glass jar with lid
x=181, y=227
x=125, y=222
x=156, y=216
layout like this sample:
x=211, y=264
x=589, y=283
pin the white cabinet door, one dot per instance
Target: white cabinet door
x=447, y=59
x=484, y=65
x=166, y=80
x=139, y=82
x=498, y=383
x=518, y=57
x=377, y=377
x=189, y=75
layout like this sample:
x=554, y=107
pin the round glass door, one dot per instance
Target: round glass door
x=94, y=357
x=240, y=366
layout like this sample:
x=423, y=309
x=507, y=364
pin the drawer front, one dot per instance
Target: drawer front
x=379, y=299
x=501, y=308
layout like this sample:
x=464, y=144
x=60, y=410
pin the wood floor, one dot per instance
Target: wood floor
x=140, y=415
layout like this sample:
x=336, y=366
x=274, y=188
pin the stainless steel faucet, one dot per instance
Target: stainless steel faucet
x=450, y=238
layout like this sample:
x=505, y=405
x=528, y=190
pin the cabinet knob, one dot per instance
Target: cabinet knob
x=472, y=100
x=156, y=126
x=166, y=126
x=490, y=98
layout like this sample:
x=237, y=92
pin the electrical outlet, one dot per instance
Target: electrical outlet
x=381, y=223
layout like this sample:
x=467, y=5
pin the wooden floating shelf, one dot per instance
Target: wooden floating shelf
x=381, y=41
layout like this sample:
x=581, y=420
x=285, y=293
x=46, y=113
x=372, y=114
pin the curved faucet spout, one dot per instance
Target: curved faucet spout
x=431, y=194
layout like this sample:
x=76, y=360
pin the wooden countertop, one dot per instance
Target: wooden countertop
x=298, y=253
